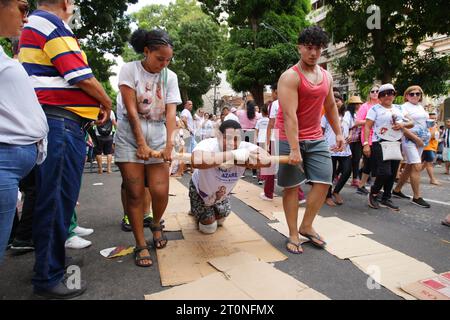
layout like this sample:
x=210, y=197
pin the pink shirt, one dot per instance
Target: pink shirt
x=361, y=115
x=311, y=99
x=245, y=122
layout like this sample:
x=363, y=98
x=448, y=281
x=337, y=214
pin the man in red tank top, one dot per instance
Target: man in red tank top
x=303, y=91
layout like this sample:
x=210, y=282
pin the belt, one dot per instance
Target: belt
x=60, y=112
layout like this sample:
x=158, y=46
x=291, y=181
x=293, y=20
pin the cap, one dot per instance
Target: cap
x=233, y=110
x=386, y=87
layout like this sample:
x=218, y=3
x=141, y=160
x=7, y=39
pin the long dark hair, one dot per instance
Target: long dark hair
x=251, y=113
x=352, y=109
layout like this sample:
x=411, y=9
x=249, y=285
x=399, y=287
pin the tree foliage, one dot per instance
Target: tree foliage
x=262, y=41
x=390, y=54
x=197, y=42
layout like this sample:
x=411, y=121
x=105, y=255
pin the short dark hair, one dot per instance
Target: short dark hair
x=274, y=86
x=153, y=40
x=229, y=124
x=5, y=3
x=314, y=35
x=225, y=108
x=51, y=2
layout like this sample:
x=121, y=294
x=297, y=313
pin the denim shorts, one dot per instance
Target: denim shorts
x=428, y=156
x=317, y=165
x=126, y=147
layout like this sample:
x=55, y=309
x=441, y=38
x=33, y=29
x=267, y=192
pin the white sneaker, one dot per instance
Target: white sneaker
x=302, y=201
x=263, y=196
x=208, y=228
x=77, y=242
x=83, y=232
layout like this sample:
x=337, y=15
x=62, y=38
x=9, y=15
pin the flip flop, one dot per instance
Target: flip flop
x=445, y=223
x=298, y=245
x=314, y=243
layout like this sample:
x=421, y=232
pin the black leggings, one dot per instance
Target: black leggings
x=385, y=172
x=345, y=168
x=356, y=149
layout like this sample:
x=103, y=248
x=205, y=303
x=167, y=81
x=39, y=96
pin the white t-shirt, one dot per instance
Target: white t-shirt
x=231, y=116
x=419, y=116
x=190, y=121
x=330, y=136
x=208, y=129
x=262, y=125
x=22, y=120
x=383, y=121
x=153, y=90
x=119, y=107
x=215, y=184
x=274, y=109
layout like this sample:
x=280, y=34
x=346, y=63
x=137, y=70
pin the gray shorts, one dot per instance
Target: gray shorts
x=126, y=146
x=317, y=164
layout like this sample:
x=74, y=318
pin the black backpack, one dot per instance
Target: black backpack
x=106, y=129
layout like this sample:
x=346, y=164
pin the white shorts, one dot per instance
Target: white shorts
x=412, y=153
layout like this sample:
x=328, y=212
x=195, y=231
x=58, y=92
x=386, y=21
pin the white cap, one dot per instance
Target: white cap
x=386, y=87
x=233, y=110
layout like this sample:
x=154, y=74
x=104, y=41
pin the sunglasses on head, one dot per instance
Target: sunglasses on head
x=387, y=93
x=417, y=94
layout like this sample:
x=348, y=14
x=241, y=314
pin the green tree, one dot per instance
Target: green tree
x=104, y=28
x=197, y=41
x=262, y=41
x=389, y=54
x=6, y=45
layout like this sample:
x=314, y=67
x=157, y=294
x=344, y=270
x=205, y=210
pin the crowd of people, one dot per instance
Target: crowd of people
x=53, y=112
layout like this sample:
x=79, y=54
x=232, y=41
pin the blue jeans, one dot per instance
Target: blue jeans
x=58, y=183
x=15, y=163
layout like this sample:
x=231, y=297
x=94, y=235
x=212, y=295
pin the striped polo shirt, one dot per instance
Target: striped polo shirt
x=51, y=54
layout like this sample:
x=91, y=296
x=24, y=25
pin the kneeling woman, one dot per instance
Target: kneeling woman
x=150, y=95
x=219, y=163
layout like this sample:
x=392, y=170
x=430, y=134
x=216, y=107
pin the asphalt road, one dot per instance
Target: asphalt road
x=414, y=231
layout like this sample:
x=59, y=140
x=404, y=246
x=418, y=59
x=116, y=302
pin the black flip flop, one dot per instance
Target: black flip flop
x=314, y=243
x=298, y=245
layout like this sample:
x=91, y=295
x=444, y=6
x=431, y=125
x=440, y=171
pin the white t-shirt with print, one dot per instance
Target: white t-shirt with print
x=330, y=136
x=152, y=95
x=419, y=116
x=215, y=184
x=383, y=122
x=262, y=125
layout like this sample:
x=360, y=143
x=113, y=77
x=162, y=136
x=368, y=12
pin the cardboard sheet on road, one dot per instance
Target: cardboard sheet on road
x=331, y=229
x=186, y=261
x=239, y=277
x=394, y=269
x=183, y=261
x=436, y=288
x=355, y=246
x=249, y=194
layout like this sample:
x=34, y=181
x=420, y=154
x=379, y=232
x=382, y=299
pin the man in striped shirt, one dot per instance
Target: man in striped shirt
x=71, y=98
